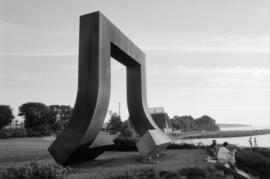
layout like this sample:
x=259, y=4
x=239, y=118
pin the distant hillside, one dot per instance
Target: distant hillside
x=221, y=125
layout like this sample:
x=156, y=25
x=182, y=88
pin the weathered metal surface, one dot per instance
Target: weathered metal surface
x=99, y=41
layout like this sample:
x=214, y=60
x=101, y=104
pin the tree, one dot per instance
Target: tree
x=206, y=123
x=37, y=117
x=125, y=129
x=65, y=112
x=54, y=111
x=115, y=124
x=6, y=115
x=60, y=115
x=187, y=123
x=184, y=123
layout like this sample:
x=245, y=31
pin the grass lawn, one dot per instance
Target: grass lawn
x=15, y=150
x=18, y=151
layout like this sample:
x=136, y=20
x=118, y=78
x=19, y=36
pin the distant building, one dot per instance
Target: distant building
x=156, y=110
x=15, y=124
x=161, y=118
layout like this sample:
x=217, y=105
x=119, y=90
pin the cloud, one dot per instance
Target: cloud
x=237, y=70
x=25, y=54
x=212, y=77
x=229, y=108
x=259, y=44
x=20, y=40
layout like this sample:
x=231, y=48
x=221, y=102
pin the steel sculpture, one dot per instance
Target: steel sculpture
x=99, y=41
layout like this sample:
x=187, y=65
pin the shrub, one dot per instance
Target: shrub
x=41, y=130
x=115, y=124
x=169, y=175
x=197, y=173
x=4, y=134
x=146, y=173
x=129, y=144
x=262, y=151
x=125, y=144
x=254, y=160
x=124, y=175
x=186, y=146
x=125, y=130
x=35, y=170
x=7, y=133
x=19, y=133
x=32, y=133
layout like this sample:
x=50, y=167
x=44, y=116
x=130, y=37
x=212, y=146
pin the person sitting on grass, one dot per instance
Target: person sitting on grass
x=212, y=150
x=226, y=157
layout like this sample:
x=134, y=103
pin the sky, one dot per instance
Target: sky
x=208, y=57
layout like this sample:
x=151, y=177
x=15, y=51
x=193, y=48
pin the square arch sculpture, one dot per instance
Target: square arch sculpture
x=100, y=40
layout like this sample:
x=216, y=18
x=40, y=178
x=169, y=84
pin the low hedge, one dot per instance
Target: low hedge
x=19, y=133
x=4, y=134
x=254, y=160
x=36, y=170
x=125, y=144
x=8, y=133
x=129, y=144
x=186, y=146
x=151, y=173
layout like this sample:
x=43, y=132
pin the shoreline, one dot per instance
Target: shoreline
x=221, y=134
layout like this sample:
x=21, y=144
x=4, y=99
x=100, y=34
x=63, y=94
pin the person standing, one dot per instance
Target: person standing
x=255, y=142
x=250, y=141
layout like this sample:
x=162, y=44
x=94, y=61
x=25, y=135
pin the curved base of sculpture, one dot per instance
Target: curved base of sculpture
x=99, y=41
x=82, y=153
x=152, y=143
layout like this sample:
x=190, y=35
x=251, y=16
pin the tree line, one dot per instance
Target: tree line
x=39, y=119
x=188, y=123
x=42, y=120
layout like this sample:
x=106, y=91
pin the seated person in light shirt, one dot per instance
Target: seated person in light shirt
x=226, y=157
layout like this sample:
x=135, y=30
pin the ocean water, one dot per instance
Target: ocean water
x=262, y=140
x=245, y=128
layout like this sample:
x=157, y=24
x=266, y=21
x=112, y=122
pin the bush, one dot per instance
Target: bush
x=125, y=130
x=254, y=160
x=35, y=170
x=19, y=133
x=186, y=146
x=262, y=151
x=197, y=173
x=129, y=144
x=8, y=133
x=125, y=144
x=169, y=175
x=124, y=175
x=33, y=133
x=146, y=173
x=4, y=134
x=39, y=131
x=115, y=124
